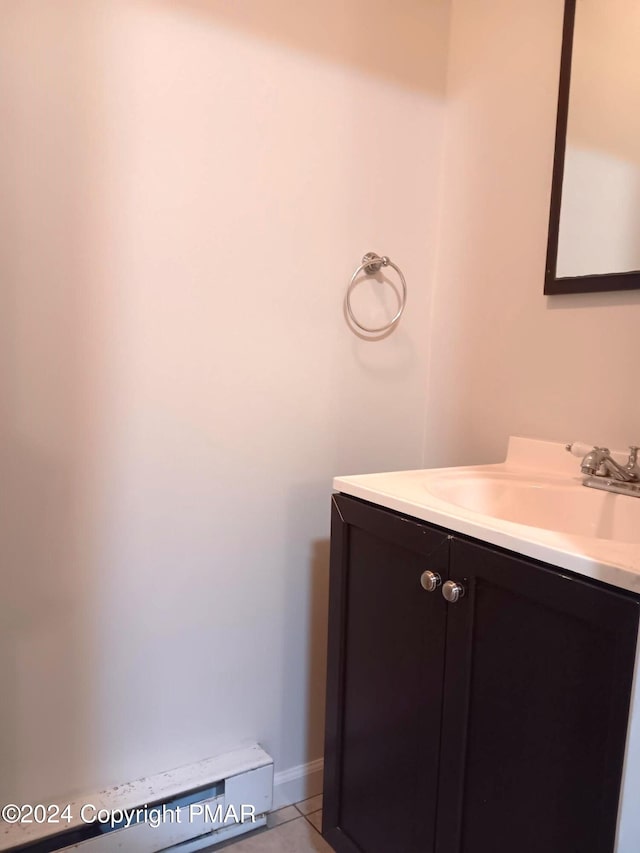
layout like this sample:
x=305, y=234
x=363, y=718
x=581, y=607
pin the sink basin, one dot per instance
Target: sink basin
x=560, y=504
x=533, y=503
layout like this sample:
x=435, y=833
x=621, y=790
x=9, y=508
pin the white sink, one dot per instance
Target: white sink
x=533, y=503
x=554, y=503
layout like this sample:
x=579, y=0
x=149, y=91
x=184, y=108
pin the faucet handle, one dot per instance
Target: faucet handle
x=632, y=465
x=577, y=448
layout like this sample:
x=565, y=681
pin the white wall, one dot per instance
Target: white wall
x=187, y=186
x=507, y=359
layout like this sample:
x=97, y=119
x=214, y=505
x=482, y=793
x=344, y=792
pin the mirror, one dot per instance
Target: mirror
x=594, y=227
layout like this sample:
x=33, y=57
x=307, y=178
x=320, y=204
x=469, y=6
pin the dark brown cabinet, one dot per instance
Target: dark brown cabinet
x=493, y=724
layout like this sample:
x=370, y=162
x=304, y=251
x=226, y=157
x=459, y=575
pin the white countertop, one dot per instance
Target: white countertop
x=542, y=464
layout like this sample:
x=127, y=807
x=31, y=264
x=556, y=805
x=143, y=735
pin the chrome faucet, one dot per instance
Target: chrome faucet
x=603, y=472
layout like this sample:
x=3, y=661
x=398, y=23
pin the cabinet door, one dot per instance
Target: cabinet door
x=384, y=685
x=536, y=697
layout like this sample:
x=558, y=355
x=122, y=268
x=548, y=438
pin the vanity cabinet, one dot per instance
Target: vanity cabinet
x=493, y=724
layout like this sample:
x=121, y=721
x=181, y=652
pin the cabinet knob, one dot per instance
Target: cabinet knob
x=430, y=581
x=453, y=591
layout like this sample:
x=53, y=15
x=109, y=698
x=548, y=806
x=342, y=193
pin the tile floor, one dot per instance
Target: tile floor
x=294, y=829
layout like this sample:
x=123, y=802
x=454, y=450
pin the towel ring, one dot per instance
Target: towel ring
x=371, y=264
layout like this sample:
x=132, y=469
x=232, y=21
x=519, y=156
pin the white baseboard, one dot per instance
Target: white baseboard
x=247, y=777
x=297, y=783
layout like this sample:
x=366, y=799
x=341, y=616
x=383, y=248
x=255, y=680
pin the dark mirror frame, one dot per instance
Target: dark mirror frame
x=578, y=283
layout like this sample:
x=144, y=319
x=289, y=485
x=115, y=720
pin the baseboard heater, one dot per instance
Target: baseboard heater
x=180, y=810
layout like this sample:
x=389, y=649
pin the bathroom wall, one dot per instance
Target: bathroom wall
x=505, y=358
x=187, y=187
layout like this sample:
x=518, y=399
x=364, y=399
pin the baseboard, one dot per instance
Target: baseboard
x=297, y=783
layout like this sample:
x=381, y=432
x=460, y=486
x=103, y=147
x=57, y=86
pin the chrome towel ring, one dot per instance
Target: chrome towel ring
x=371, y=264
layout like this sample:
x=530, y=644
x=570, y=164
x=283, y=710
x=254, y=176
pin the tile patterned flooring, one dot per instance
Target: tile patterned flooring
x=294, y=829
